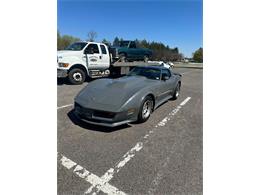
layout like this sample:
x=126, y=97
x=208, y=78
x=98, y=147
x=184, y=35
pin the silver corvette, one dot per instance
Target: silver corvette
x=113, y=102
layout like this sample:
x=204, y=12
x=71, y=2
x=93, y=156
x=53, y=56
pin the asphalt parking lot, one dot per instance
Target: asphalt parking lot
x=161, y=156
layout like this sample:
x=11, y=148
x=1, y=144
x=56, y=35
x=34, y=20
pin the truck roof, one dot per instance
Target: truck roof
x=89, y=42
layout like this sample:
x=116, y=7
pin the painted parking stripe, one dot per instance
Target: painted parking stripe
x=91, y=178
x=68, y=105
x=94, y=189
x=185, y=101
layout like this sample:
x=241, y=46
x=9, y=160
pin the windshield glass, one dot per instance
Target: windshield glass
x=76, y=46
x=150, y=73
x=124, y=43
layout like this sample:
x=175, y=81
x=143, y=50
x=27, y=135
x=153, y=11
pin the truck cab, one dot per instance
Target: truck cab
x=82, y=59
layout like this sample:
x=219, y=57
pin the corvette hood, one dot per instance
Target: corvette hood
x=111, y=94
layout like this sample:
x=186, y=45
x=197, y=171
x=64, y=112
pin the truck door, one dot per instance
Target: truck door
x=105, y=57
x=133, y=53
x=93, y=56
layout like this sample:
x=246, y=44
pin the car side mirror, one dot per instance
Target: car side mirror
x=165, y=77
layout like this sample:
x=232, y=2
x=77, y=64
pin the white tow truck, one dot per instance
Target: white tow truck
x=91, y=59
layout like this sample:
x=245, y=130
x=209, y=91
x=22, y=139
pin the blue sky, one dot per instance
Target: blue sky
x=177, y=23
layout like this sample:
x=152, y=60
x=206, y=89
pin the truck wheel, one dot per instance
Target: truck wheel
x=77, y=76
x=122, y=57
x=146, y=58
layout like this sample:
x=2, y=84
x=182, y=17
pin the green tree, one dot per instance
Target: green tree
x=175, y=50
x=58, y=40
x=65, y=40
x=198, y=55
x=106, y=42
x=116, y=41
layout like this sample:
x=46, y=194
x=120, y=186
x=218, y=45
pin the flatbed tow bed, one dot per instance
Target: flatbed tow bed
x=134, y=63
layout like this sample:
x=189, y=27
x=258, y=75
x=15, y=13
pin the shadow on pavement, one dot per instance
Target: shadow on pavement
x=88, y=126
x=64, y=81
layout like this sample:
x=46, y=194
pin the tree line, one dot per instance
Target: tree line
x=198, y=55
x=161, y=51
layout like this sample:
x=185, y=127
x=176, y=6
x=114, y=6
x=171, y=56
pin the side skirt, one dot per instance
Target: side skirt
x=162, y=101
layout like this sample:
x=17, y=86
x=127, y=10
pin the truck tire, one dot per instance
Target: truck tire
x=146, y=58
x=122, y=57
x=76, y=76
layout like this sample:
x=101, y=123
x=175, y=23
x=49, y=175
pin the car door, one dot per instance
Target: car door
x=166, y=85
x=93, y=56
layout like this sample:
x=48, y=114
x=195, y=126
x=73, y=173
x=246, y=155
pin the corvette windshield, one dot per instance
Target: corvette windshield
x=76, y=46
x=150, y=73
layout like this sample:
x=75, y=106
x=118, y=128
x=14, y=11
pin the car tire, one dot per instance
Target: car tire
x=76, y=76
x=122, y=57
x=145, y=109
x=146, y=58
x=176, y=92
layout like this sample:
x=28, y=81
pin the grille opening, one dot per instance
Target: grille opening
x=104, y=114
x=97, y=113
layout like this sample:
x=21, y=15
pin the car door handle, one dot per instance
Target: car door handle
x=100, y=57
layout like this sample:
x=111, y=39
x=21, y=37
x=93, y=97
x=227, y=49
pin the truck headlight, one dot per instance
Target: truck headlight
x=63, y=64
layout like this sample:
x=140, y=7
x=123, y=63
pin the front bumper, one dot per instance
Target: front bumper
x=61, y=73
x=101, y=118
x=104, y=123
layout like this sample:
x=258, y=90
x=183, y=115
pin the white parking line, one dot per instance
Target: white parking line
x=64, y=106
x=132, y=152
x=89, y=177
x=185, y=101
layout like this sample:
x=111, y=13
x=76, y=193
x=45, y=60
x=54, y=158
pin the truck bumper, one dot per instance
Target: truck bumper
x=61, y=73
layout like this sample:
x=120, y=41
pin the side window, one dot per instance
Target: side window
x=103, y=49
x=132, y=45
x=166, y=72
x=92, y=48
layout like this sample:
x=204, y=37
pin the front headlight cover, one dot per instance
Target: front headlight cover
x=63, y=65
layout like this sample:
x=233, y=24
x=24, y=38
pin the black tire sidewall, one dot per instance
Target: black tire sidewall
x=140, y=117
x=146, y=58
x=177, y=88
x=72, y=80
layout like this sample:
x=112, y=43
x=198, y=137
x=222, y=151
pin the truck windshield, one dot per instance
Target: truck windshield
x=76, y=46
x=150, y=73
x=124, y=43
